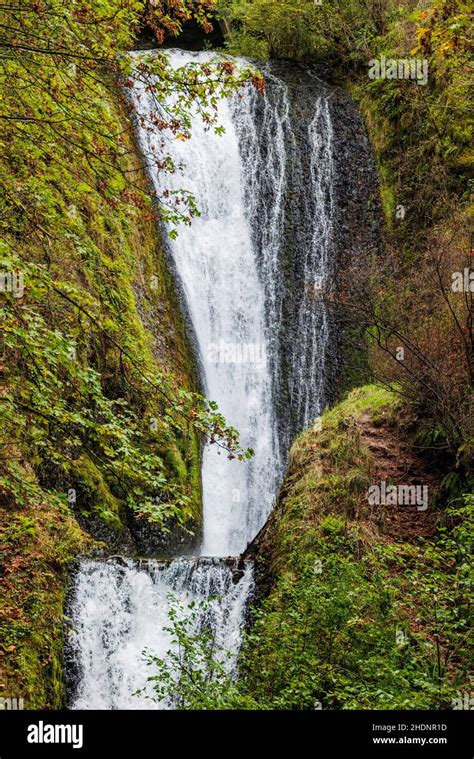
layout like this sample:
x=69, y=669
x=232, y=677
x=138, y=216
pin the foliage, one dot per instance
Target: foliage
x=422, y=134
x=193, y=674
x=61, y=137
x=58, y=63
x=331, y=31
x=56, y=403
x=36, y=544
x=98, y=387
x=353, y=620
x=421, y=137
x=366, y=632
x=420, y=336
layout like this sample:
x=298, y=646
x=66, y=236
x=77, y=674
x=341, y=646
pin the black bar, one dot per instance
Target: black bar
x=318, y=733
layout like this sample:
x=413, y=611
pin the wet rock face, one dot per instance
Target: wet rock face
x=356, y=229
x=326, y=214
x=150, y=540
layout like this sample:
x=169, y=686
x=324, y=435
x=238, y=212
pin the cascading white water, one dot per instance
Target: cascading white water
x=228, y=263
x=121, y=610
x=310, y=354
x=285, y=192
x=216, y=263
x=263, y=150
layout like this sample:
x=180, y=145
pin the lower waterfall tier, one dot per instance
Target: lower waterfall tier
x=120, y=608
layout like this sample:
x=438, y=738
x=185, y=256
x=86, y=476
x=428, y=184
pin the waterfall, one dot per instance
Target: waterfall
x=310, y=354
x=216, y=263
x=290, y=203
x=120, y=610
x=261, y=334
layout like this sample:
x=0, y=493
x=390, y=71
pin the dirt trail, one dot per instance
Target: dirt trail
x=397, y=463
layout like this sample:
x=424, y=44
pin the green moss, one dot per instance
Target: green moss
x=37, y=543
x=368, y=398
x=114, y=254
x=341, y=593
x=94, y=495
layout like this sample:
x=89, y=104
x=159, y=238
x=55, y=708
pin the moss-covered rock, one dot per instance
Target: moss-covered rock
x=345, y=618
x=38, y=539
x=64, y=499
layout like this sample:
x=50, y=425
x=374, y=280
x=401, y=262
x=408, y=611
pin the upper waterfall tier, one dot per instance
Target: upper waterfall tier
x=252, y=268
